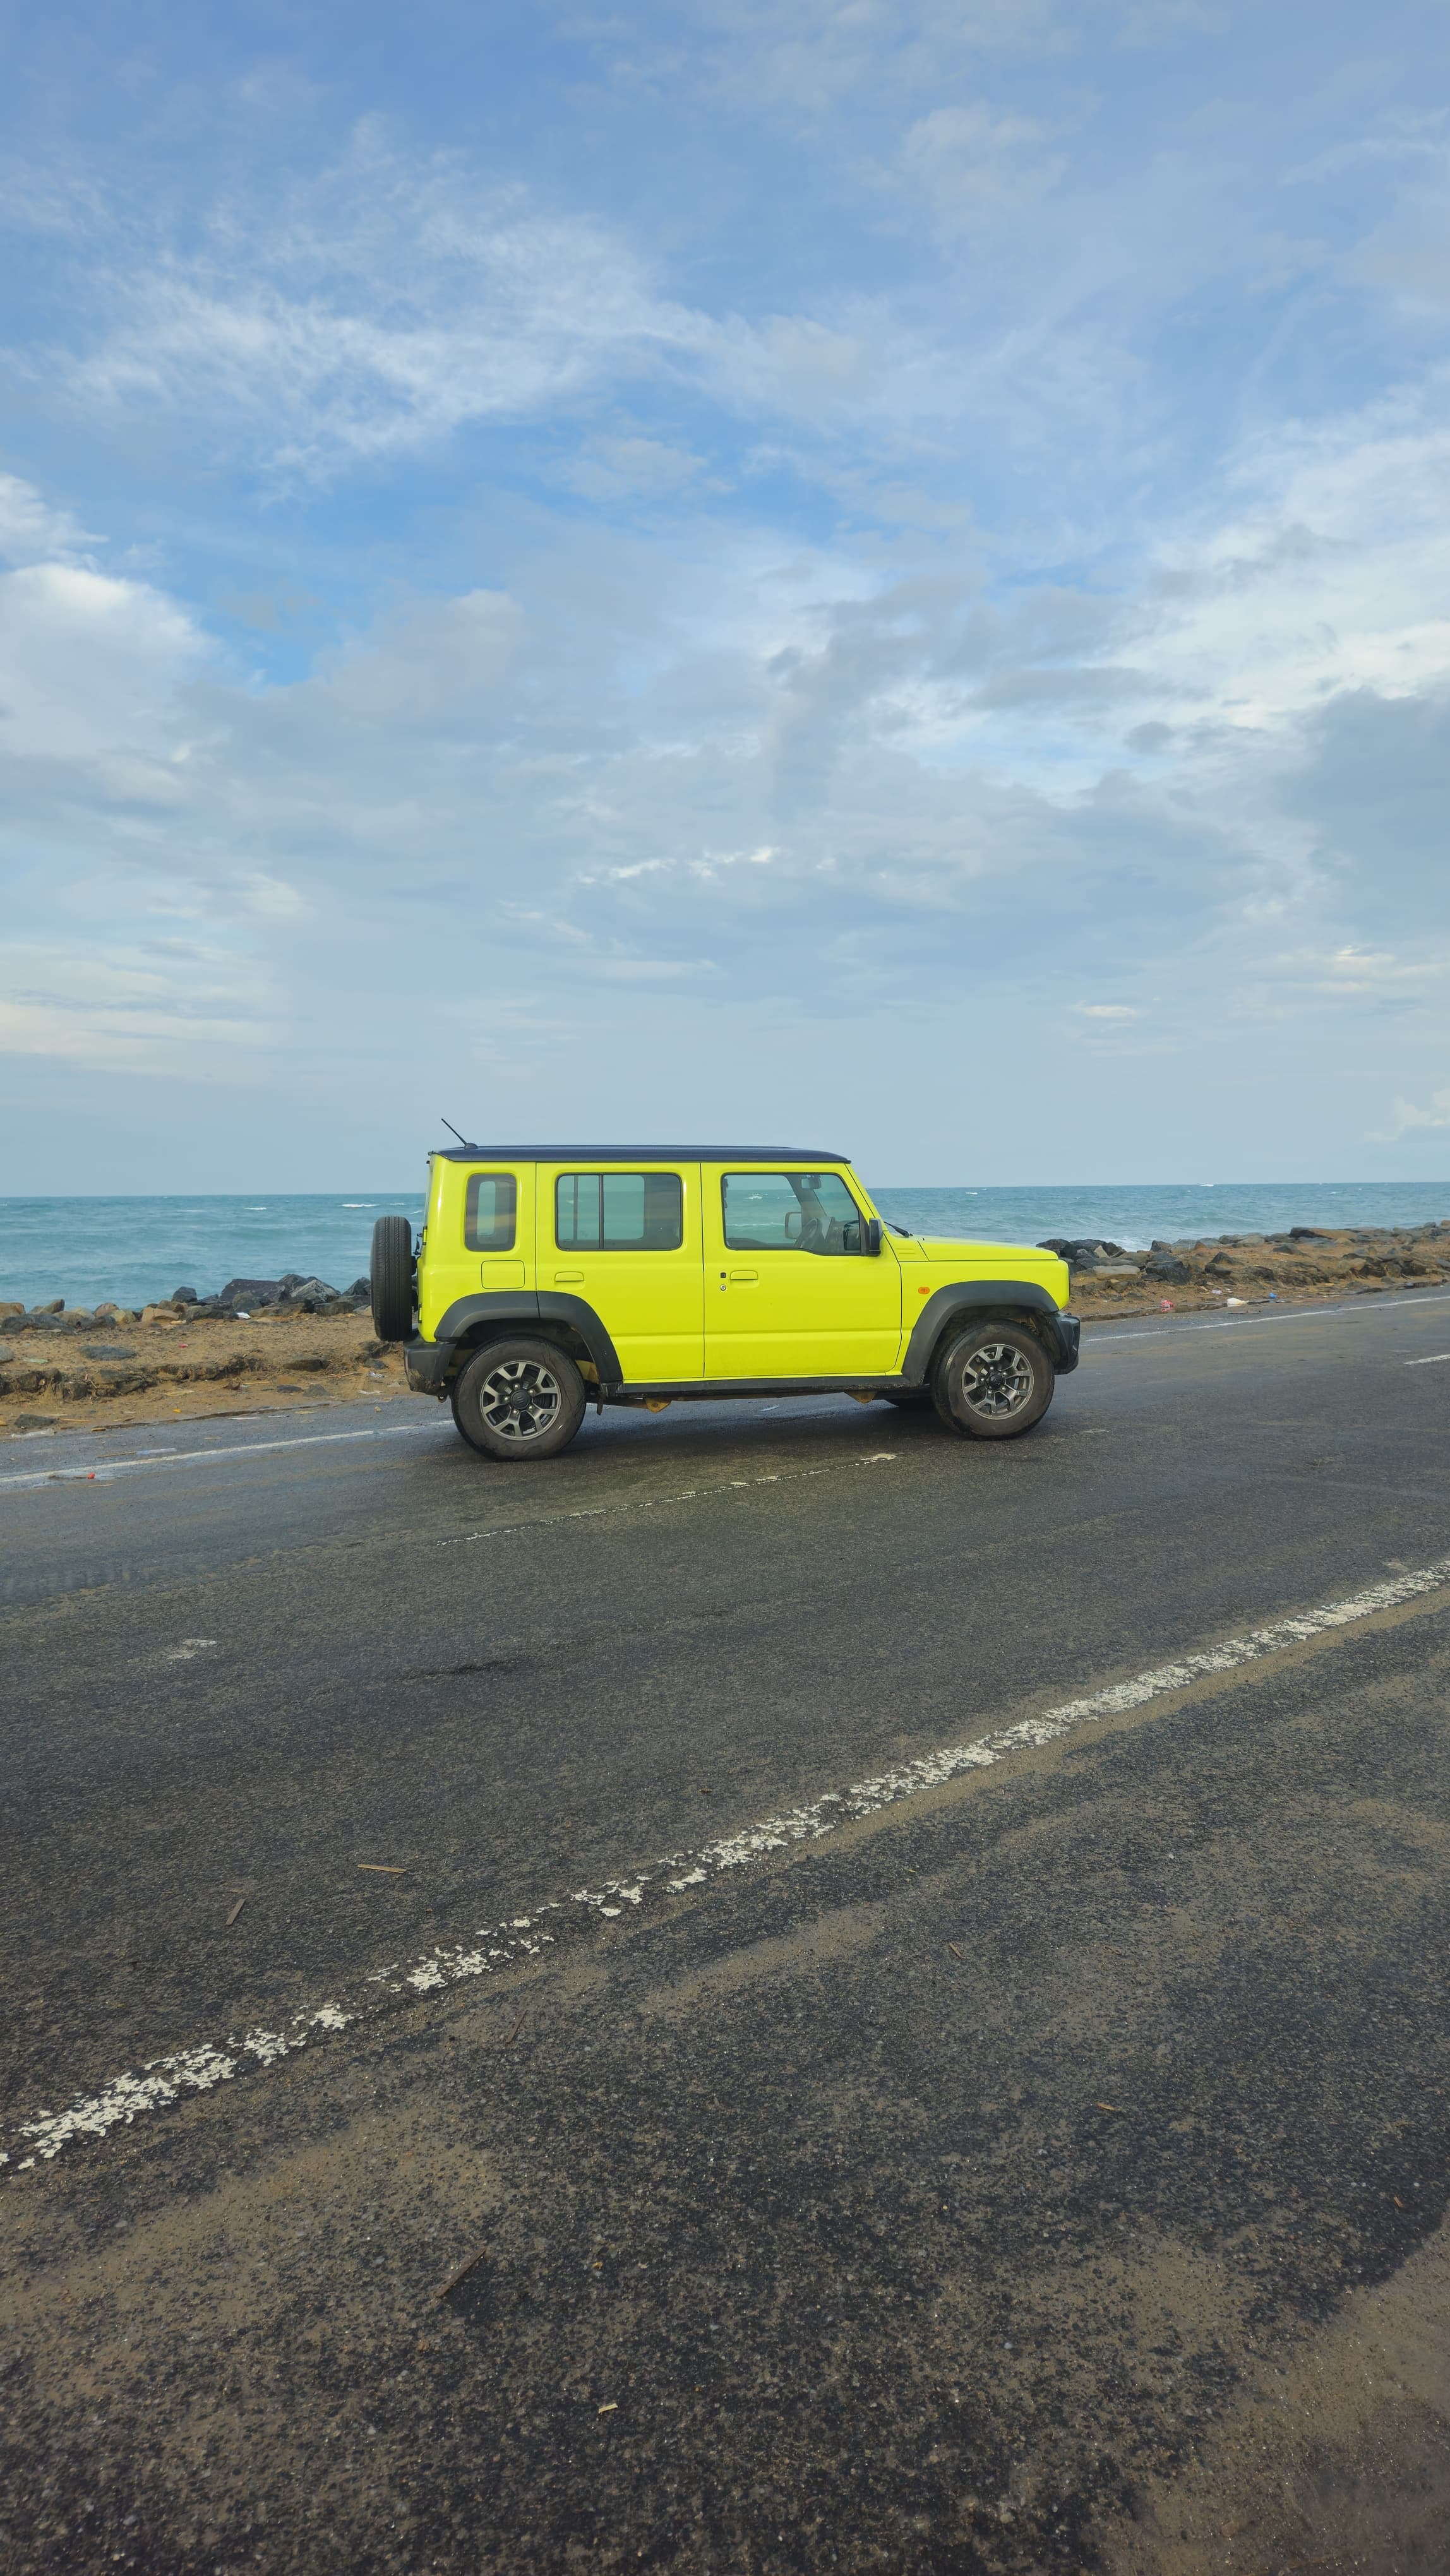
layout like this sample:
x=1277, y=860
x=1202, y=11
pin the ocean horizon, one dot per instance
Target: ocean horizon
x=134, y=1249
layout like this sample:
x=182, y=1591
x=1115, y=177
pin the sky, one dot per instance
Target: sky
x=872, y=573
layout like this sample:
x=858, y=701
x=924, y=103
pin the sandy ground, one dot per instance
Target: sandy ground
x=181, y=1371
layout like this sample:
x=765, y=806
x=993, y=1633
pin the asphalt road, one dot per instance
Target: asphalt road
x=1035, y=2162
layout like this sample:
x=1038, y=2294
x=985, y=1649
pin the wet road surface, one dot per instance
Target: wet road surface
x=1034, y=2163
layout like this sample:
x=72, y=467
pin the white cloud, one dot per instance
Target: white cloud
x=1408, y=1117
x=977, y=165
x=31, y=530
x=375, y=310
x=810, y=63
x=648, y=466
x=90, y=667
x=112, y=1012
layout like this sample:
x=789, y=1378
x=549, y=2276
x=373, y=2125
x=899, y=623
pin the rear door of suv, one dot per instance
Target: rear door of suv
x=626, y=1238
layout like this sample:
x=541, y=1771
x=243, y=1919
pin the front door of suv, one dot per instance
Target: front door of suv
x=628, y=1243
x=789, y=1292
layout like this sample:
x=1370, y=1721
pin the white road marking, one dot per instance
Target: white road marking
x=518, y=1936
x=1373, y=1304
x=147, y=1458
x=1429, y=1359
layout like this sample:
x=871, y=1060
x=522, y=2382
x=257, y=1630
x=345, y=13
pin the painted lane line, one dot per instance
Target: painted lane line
x=928, y=1771
x=1407, y=1302
x=1429, y=1360
x=518, y=1937
x=107, y=1473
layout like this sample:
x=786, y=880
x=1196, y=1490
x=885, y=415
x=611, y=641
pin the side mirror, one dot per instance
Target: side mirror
x=871, y=1234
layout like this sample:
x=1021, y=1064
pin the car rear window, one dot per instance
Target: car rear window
x=619, y=1212
x=490, y=1213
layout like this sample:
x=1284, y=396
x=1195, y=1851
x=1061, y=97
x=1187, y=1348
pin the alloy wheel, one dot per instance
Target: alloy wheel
x=520, y=1400
x=997, y=1380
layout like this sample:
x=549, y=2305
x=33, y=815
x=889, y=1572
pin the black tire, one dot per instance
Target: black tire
x=391, y=1279
x=518, y=1400
x=992, y=1382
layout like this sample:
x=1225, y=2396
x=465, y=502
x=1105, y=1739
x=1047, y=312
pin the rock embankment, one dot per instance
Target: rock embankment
x=80, y=1367
x=1303, y=1263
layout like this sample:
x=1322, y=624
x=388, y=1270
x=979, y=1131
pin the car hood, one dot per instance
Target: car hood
x=998, y=1261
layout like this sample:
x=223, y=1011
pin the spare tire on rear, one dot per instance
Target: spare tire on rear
x=392, y=1278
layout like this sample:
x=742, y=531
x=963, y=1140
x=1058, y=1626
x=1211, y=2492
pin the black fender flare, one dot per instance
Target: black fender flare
x=967, y=1298
x=533, y=1306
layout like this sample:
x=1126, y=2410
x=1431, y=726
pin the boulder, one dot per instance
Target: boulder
x=1163, y=1263
x=184, y=1297
x=1082, y=1253
x=1307, y=1234
x=249, y=1292
x=7, y=1308
x=364, y=1288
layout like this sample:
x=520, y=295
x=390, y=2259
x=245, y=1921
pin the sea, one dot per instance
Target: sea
x=135, y=1249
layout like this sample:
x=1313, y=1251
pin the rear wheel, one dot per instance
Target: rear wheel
x=518, y=1400
x=390, y=1279
x=993, y=1382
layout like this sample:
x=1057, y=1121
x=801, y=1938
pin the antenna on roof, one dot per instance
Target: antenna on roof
x=452, y=1130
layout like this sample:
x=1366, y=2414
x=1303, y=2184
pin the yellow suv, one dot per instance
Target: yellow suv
x=550, y=1277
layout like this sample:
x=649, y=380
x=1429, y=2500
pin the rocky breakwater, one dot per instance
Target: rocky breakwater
x=1302, y=1264
x=253, y=1345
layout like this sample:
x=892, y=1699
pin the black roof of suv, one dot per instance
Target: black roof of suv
x=638, y=1154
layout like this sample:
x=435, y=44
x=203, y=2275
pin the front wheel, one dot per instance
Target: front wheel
x=993, y=1382
x=519, y=1400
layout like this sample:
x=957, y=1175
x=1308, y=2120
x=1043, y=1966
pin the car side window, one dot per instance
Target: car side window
x=619, y=1212
x=790, y=1212
x=490, y=1212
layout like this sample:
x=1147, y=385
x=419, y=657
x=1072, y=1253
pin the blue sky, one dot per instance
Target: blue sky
x=871, y=571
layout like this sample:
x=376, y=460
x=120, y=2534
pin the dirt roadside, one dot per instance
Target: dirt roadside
x=111, y=1376
x=1224, y=1269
